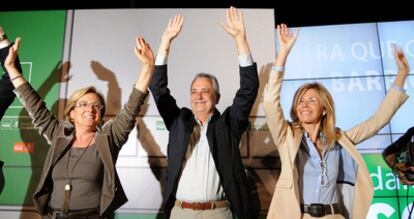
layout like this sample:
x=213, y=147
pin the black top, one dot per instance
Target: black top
x=6, y=95
x=6, y=87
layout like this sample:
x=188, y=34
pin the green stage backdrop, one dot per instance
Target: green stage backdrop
x=42, y=34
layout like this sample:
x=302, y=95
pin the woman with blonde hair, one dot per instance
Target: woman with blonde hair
x=322, y=174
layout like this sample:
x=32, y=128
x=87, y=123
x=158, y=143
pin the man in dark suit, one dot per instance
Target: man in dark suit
x=205, y=175
x=6, y=88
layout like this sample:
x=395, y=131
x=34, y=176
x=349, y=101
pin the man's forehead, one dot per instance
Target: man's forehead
x=201, y=83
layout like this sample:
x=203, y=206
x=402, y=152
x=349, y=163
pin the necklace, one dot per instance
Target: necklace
x=68, y=185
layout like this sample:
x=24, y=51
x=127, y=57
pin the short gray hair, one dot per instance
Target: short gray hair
x=213, y=80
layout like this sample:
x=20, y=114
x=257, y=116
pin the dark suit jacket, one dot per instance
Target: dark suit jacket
x=6, y=87
x=59, y=134
x=6, y=96
x=223, y=134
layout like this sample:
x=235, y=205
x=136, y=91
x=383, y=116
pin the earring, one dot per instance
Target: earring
x=324, y=113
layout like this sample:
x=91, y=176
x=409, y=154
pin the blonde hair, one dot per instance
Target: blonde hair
x=73, y=99
x=328, y=127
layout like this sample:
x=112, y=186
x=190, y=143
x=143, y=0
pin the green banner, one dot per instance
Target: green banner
x=22, y=149
x=391, y=198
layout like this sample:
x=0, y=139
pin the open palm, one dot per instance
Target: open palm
x=286, y=37
x=234, y=23
x=400, y=59
x=143, y=51
x=175, y=25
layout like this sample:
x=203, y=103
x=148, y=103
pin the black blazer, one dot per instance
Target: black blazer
x=6, y=96
x=223, y=134
x=6, y=87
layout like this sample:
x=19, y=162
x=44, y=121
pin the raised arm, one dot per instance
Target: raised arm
x=174, y=27
x=15, y=75
x=402, y=64
x=6, y=87
x=276, y=121
x=146, y=57
x=166, y=104
x=249, y=80
x=395, y=97
x=124, y=122
x=43, y=119
x=287, y=39
x=234, y=26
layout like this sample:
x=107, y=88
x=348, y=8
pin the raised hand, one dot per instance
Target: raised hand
x=402, y=64
x=11, y=58
x=143, y=51
x=175, y=25
x=400, y=59
x=234, y=24
x=146, y=56
x=286, y=39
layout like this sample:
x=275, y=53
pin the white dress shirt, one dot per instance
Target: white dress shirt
x=200, y=181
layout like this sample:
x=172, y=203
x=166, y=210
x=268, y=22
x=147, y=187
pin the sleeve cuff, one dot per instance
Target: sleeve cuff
x=161, y=60
x=245, y=60
x=278, y=68
x=396, y=87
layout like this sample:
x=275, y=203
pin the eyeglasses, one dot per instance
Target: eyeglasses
x=84, y=105
x=310, y=101
x=324, y=175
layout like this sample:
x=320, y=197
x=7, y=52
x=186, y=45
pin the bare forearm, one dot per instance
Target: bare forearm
x=144, y=77
x=164, y=47
x=281, y=57
x=400, y=79
x=16, y=77
x=242, y=45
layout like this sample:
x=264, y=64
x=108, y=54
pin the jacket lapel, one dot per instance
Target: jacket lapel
x=61, y=147
x=210, y=131
x=105, y=154
x=351, y=149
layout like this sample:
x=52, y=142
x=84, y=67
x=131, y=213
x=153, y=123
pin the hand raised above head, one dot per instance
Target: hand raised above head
x=11, y=57
x=402, y=65
x=400, y=59
x=143, y=51
x=234, y=24
x=174, y=27
x=286, y=37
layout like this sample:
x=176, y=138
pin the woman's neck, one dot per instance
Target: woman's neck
x=83, y=138
x=312, y=130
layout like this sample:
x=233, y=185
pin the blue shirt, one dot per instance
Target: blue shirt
x=318, y=177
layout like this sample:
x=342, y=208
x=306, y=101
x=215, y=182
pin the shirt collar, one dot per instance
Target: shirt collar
x=206, y=123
